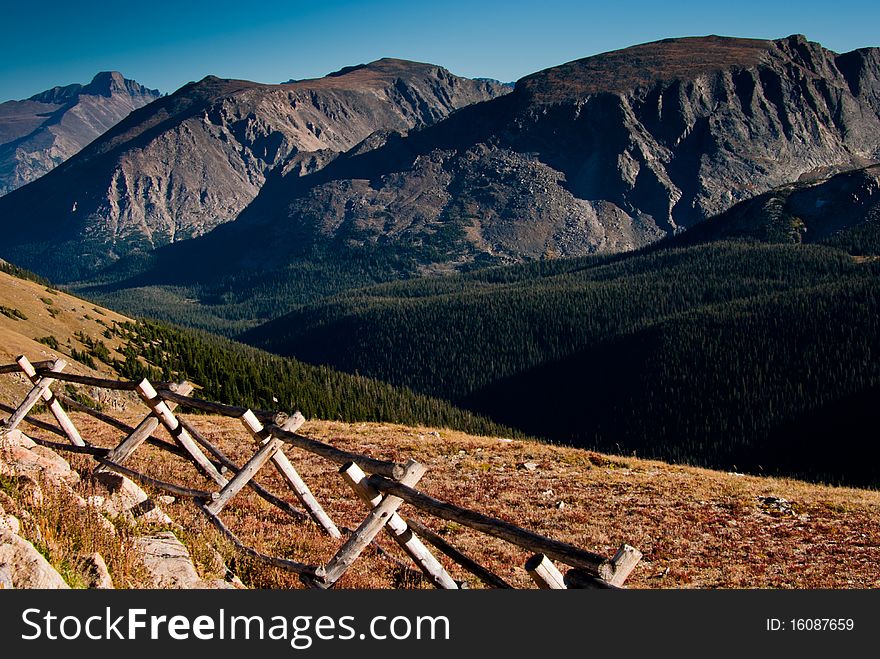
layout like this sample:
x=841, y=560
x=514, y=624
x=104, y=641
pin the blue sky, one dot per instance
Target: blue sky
x=165, y=44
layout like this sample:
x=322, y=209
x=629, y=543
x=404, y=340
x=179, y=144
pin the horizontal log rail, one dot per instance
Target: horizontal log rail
x=186, y=492
x=75, y=405
x=72, y=448
x=15, y=368
x=594, y=564
x=283, y=563
x=102, y=383
x=221, y=409
x=333, y=454
x=36, y=423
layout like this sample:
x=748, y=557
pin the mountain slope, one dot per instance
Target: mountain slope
x=46, y=324
x=603, y=154
x=194, y=159
x=841, y=210
x=729, y=354
x=39, y=133
x=600, y=155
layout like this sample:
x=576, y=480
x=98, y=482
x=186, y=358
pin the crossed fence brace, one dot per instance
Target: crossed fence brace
x=383, y=492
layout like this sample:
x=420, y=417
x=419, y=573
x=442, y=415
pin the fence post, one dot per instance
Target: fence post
x=328, y=575
x=289, y=473
x=398, y=529
x=544, y=573
x=158, y=406
x=623, y=562
x=268, y=447
x=469, y=564
x=139, y=435
x=39, y=390
x=54, y=405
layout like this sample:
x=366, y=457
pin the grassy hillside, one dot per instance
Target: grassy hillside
x=712, y=354
x=697, y=528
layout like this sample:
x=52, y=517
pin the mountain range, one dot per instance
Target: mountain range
x=600, y=155
x=603, y=154
x=196, y=158
x=39, y=133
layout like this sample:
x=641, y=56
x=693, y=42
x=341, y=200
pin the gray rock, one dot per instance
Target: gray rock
x=22, y=566
x=127, y=498
x=9, y=523
x=96, y=571
x=169, y=562
x=37, y=463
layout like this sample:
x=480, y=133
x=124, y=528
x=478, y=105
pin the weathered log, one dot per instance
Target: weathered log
x=102, y=383
x=579, y=579
x=397, y=528
x=368, y=464
x=623, y=562
x=560, y=551
x=53, y=403
x=135, y=475
x=287, y=470
x=328, y=575
x=35, y=394
x=469, y=564
x=221, y=457
x=221, y=409
x=283, y=563
x=138, y=435
x=36, y=423
x=544, y=573
x=158, y=406
x=76, y=406
x=15, y=368
x=244, y=476
x=72, y=448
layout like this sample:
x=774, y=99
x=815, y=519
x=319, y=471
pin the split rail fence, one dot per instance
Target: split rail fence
x=381, y=485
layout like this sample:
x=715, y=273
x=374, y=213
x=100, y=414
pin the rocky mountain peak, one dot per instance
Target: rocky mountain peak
x=39, y=133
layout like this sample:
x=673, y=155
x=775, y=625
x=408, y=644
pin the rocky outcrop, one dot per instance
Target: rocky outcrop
x=193, y=160
x=600, y=155
x=96, y=571
x=125, y=498
x=169, y=562
x=39, y=133
x=842, y=210
x=22, y=566
x=32, y=467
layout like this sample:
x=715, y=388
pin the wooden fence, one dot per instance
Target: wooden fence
x=382, y=486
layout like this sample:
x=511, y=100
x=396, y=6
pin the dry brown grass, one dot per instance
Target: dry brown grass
x=66, y=531
x=697, y=528
x=54, y=314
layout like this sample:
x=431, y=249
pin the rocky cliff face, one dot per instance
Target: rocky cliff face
x=39, y=133
x=607, y=153
x=195, y=159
